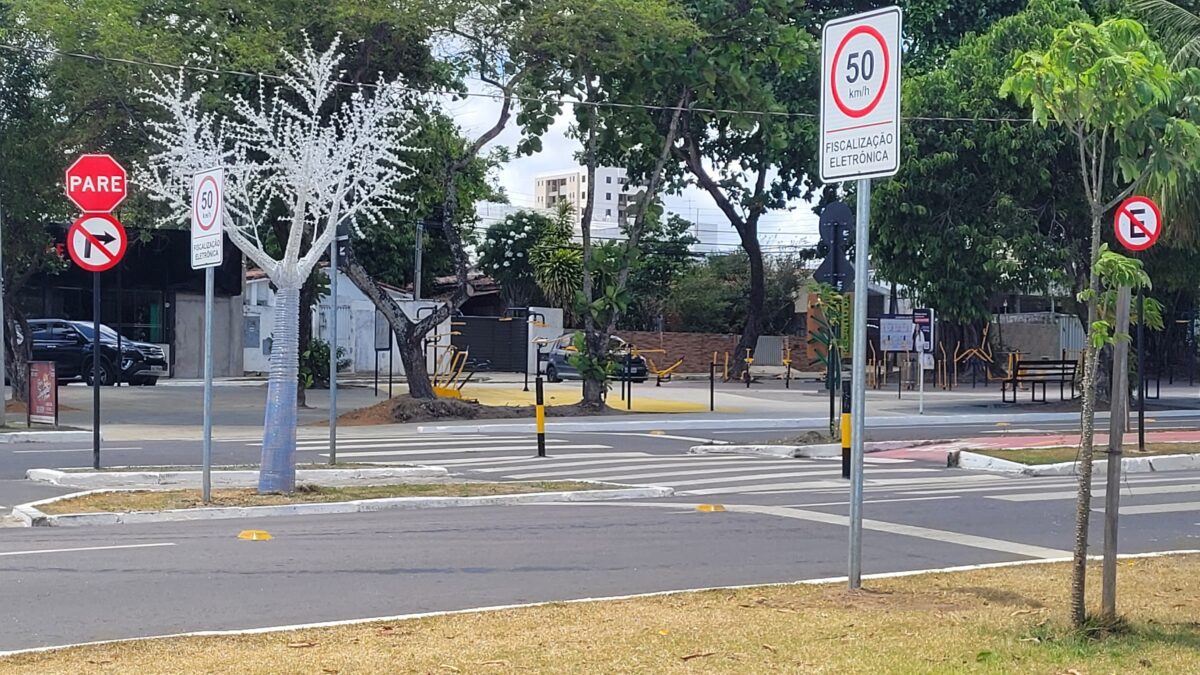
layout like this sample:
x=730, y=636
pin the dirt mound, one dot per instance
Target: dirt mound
x=407, y=409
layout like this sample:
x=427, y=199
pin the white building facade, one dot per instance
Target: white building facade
x=614, y=197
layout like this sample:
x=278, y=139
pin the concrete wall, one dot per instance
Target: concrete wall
x=189, y=336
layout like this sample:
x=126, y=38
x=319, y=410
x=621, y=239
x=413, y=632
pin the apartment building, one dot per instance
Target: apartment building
x=613, y=194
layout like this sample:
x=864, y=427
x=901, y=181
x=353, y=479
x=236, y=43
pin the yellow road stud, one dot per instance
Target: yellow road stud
x=254, y=535
x=710, y=508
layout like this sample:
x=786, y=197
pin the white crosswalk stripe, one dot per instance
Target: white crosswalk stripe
x=691, y=474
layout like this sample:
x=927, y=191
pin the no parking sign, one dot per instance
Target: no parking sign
x=1137, y=223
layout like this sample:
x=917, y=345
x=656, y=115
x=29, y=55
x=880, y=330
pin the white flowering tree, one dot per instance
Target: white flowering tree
x=308, y=151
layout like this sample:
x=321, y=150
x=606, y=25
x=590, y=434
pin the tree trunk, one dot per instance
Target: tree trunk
x=17, y=346
x=595, y=337
x=1083, y=505
x=408, y=338
x=308, y=298
x=755, y=305
x=278, y=473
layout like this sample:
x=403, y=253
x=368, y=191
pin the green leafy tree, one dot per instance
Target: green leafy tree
x=1112, y=88
x=596, y=55
x=508, y=250
x=980, y=207
x=664, y=257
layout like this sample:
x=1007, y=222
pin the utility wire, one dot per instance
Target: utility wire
x=491, y=96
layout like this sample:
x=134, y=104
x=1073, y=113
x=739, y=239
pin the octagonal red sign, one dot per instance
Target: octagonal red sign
x=96, y=183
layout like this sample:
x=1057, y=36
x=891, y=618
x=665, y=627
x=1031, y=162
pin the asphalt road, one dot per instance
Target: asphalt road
x=194, y=576
x=785, y=520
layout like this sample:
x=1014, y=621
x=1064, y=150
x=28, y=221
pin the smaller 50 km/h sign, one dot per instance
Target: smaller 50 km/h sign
x=96, y=242
x=1137, y=223
x=860, y=96
x=207, y=229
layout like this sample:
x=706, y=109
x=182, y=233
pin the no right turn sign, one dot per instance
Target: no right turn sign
x=860, y=96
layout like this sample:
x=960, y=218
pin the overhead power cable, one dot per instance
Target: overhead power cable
x=485, y=95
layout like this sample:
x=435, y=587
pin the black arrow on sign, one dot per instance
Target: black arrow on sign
x=105, y=239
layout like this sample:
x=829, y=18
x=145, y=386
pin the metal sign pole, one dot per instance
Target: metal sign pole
x=96, y=356
x=3, y=391
x=333, y=331
x=1141, y=370
x=858, y=384
x=206, y=477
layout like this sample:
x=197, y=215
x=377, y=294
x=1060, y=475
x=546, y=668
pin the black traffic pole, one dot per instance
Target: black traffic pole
x=541, y=415
x=712, y=387
x=1141, y=371
x=96, y=356
x=845, y=428
x=629, y=379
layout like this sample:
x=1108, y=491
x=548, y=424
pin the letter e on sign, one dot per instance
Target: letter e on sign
x=860, y=96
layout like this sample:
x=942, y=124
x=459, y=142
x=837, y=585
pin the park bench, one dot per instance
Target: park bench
x=1034, y=373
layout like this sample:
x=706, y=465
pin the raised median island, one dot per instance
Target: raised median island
x=164, y=500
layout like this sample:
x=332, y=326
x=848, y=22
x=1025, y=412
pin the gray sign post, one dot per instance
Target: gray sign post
x=860, y=130
x=208, y=242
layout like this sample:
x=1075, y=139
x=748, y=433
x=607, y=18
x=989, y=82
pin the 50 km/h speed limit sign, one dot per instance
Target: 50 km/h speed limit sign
x=207, y=229
x=860, y=96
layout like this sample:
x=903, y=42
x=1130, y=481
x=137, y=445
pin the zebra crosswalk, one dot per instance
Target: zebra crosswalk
x=887, y=479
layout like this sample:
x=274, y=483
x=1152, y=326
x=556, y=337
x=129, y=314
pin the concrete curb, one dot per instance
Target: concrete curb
x=47, y=437
x=235, y=478
x=30, y=515
x=819, y=451
x=965, y=459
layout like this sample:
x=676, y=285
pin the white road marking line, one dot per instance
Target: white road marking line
x=1018, y=484
x=818, y=485
x=946, y=536
x=1177, y=507
x=451, y=446
x=427, y=438
x=683, y=460
x=692, y=439
x=494, y=448
x=51, y=452
x=871, y=501
x=728, y=479
x=1072, y=494
x=512, y=460
x=884, y=460
x=85, y=548
x=683, y=470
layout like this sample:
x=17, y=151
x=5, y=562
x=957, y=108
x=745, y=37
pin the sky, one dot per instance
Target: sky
x=475, y=114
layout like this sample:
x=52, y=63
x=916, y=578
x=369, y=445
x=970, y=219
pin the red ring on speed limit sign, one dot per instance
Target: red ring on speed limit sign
x=837, y=58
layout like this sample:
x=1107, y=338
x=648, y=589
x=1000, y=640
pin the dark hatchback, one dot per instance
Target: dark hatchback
x=69, y=345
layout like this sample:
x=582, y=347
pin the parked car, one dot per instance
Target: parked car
x=558, y=365
x=69, y=345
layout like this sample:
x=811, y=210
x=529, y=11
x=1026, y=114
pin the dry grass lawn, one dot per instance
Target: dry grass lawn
x=161, y=500
x=1068, y=454
x=1009, y=620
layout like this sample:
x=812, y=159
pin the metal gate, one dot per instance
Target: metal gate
x=501, y=342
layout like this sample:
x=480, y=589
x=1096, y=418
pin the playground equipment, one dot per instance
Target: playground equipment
x=660, y=374
x=787, y=362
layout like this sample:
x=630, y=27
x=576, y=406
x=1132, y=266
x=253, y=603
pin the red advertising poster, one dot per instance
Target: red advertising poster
x=43, y=393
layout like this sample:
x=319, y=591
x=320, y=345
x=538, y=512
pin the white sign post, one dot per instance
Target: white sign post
x=860, y=139
x=207, y=253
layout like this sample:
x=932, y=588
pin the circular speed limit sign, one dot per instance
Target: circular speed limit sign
x=205, y=203
x=860, y=96
x=860, y=71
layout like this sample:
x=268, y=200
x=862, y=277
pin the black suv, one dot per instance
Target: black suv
x=69, y=345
